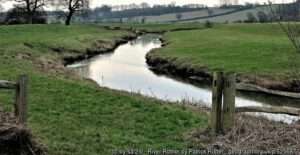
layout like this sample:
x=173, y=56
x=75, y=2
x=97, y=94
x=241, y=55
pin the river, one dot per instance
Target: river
x=126, y=69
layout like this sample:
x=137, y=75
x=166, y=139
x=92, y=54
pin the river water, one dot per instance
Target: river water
x=126, y=69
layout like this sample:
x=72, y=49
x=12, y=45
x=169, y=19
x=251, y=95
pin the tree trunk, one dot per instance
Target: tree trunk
x=69, y=18
x=29, y=18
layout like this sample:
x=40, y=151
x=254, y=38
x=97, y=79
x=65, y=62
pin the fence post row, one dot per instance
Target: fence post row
x=20, y=104
x=223, y=102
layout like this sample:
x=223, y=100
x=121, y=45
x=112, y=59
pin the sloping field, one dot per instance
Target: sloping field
x=259, y=48
x=233, y=17
x=217, y=15
x=186, y=15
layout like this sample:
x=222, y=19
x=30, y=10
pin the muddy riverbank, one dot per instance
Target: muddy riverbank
x=100, y=47
x=66, y=56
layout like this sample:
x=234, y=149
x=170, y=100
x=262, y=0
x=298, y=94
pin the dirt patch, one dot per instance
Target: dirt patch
x=250, y=133
x=24, y=56
x=6, y=117
x=49, y=65
x=17, y=140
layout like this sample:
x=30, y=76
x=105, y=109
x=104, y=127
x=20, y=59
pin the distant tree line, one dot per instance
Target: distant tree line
x=134, y=10
x=146, y=10
x=247, y=5
x=119, y=12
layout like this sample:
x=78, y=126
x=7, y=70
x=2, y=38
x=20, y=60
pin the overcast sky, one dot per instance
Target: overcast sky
x=96, y=3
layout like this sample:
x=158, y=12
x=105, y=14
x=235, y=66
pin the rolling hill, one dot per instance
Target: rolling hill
x=217, y=15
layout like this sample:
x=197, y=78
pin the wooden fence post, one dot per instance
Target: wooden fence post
x=229, y=100
x=216, y=114
x=21, y=100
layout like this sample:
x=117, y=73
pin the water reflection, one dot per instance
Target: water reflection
x=126, y=69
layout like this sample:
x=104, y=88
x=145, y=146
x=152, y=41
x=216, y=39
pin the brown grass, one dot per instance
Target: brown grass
x=250, y=133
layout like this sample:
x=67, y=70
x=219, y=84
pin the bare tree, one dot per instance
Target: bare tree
x=72, y=6
x=287, y=16
x=30, y=7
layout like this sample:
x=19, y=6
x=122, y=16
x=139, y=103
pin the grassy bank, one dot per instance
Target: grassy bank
x=73, y=116
x=156, y=27
x=260, y=50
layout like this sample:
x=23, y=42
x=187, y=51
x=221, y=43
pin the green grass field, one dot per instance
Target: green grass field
x=261, y=49
x=73, y=116
x=77, y=37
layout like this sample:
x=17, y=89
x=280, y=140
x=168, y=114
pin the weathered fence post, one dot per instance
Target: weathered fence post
x=21, y=100
x=229, y=100
x=216, y=114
